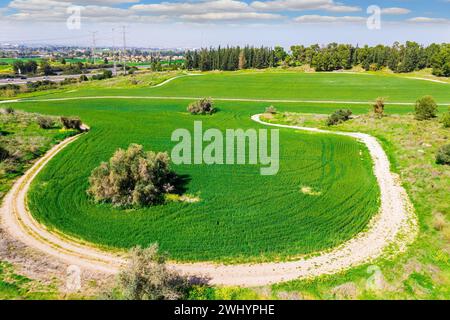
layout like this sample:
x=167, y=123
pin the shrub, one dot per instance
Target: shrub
x=446, y=119
x=443, y=155
x=202, y=106
x=339, y=116
x=71, y=123
x=45, y=122
x=8, y=110
x=147, y=278
x=378, y=107
x=4, y=154
x=83, y=78
x=107, y=74
x=132, y=177
x=271, y=110
x=425, y=108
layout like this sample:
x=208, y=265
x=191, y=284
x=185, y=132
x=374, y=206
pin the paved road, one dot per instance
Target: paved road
x=55, y=78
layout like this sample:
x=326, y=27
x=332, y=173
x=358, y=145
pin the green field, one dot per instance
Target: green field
x=241, y=215
x=287, y=86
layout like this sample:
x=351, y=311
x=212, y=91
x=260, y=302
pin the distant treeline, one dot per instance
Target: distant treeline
x=398, y=57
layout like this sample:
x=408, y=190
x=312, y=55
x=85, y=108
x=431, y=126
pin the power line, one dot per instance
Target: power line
x=124, y=48
x=114, y=52
x=93, y=44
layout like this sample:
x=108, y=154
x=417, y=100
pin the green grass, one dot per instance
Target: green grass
x=14, y=286
x=423, y=272
x=25, y=141
x=241, y=216
x=268, y=217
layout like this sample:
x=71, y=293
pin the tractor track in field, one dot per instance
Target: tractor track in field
x=394, y=227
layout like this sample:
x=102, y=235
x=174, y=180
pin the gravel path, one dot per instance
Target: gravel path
x=394, y=227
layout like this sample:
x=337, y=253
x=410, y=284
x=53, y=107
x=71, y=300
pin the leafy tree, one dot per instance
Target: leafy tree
x=441, y=61
x=425, y=108
x=280, y=55
x=46, y=68
x=147, y=277
x=202, y=106
x=132, y=177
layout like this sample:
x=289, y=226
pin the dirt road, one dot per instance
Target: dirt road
x=394, y=227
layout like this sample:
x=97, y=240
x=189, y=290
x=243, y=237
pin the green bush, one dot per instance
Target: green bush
x=446, y=119
x=443, y=155
x=147, y=278
x=71, y=123
x=339, y=116
x=426, y=108
x=45, y=122
x=202, y=106
x=4, y=154
x=132, y=177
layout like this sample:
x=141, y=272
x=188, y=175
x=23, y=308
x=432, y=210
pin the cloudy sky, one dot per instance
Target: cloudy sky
x=196, y=23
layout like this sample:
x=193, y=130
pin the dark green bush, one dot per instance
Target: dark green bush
x=426, y=108
x=339, y=116
x=4, y=154
x=202, y=106
x=71, y=123
x=443, y=155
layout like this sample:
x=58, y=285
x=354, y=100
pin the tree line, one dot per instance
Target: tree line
x=400, y=58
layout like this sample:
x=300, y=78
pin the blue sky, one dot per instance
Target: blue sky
x=196, y=23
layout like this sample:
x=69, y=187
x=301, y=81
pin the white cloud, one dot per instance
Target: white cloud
x=395, y=11
x=98, y=2
x=428, y=20
x=328, y=19
x=230, y=16
x=301, y=5
x=177, y=8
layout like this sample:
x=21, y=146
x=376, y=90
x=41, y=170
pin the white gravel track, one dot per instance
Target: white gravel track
x=394, y=227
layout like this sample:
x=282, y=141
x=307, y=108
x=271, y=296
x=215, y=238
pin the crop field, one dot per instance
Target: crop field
x=241, y=216
x=287, y=86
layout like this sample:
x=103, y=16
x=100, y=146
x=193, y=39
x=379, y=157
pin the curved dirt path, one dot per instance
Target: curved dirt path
x=176, y=77
x=394, y=227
